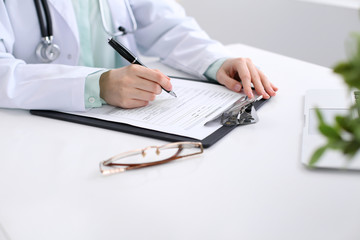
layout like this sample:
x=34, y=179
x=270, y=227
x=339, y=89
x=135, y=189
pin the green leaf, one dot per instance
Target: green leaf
x=357, y=132
x=342, y=67
x=352, y=77
x=319, y=116
x=343, y=122
x=329, y=131
x=351, y=148
x=344, y=134
x=316, y=155
x=350, y=70
x=337, y=144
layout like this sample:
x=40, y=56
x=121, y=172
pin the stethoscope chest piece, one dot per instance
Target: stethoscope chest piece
x=47, y=51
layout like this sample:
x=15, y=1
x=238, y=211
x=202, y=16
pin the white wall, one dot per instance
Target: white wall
x=301, y=29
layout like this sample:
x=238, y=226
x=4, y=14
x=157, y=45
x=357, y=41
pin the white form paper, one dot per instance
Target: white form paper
x=186, y=115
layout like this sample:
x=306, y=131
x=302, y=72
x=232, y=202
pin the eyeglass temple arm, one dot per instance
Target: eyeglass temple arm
x=141, y=165
x=131, y=166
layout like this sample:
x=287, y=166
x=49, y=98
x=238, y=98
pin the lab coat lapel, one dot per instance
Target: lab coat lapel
x=62, y=7
x=120, y=15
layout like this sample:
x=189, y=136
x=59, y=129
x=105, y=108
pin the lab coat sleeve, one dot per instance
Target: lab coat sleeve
x=41, y=86
x=37, y=86
x=165, y=31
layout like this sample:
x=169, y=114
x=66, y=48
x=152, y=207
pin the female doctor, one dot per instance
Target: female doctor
x=54, y=53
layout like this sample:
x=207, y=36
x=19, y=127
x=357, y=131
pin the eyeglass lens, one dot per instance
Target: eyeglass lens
x=154, y=154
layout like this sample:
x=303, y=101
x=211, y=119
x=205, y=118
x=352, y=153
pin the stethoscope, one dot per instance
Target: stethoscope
x=47, y=51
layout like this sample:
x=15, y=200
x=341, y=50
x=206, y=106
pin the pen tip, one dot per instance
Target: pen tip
x=172, y=94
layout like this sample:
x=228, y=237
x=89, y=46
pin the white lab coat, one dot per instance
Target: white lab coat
x=163, y=31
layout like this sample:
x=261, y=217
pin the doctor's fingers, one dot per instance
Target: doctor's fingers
x=261, y=83
x=133, y=98
x=228, y=81
x=245, y=75
x=232, y=71
x=133, y=103
x=249, y=73
x=270, y=88
x=145, y=85
x=152, y=75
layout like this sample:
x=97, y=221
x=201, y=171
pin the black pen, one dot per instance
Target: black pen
x=130, y=57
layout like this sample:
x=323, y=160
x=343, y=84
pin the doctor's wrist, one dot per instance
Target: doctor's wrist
x=103, y=82
x=211, y=71
x=92, y=90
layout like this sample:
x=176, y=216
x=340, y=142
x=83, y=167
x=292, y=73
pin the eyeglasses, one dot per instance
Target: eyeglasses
x=149, y=156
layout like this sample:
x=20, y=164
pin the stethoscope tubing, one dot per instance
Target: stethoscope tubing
x=121, y=30
x=46, y=29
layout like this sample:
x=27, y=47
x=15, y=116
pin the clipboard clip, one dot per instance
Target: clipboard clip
x=241, y=113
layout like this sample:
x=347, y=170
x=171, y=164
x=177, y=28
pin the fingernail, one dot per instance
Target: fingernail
x=237, y=87
x=251, y=95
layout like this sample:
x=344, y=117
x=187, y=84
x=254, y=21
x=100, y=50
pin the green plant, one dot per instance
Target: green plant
x=344, y=134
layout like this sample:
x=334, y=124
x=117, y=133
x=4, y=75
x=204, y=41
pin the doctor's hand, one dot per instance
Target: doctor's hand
x=132, y=86
x=239, y=73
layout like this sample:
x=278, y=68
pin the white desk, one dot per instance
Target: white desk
x=249, y=185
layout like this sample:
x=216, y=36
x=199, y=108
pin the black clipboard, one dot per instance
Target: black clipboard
x=126, y=128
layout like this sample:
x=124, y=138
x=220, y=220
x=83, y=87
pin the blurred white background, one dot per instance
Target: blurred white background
x=310, y=30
